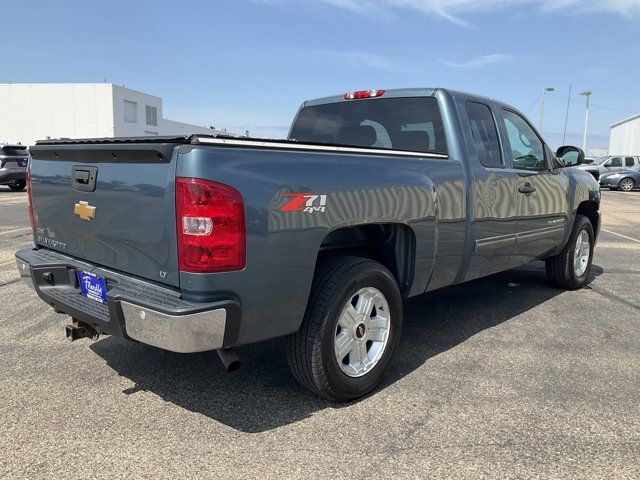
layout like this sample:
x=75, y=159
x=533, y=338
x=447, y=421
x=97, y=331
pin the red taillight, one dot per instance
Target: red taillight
x=363, y=94
x=29, y=200
x=211, y=228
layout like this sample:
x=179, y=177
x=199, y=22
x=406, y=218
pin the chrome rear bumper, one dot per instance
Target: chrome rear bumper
x=136, y=309
x=197, y=332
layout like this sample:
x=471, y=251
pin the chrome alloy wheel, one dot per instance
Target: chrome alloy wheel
x=581, y=254
x=362, y=332
x=626, y=185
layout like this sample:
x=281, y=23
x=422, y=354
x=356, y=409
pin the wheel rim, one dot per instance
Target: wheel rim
x=362, y=332
x=581, y=255
x=626, y=185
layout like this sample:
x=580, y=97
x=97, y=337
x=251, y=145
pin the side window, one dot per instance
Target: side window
x=130, y=111
x=485, y=134
x=628, y=161
x=615, y=162
x=526, y=147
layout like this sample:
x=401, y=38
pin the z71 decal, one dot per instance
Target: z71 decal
x=304, y=202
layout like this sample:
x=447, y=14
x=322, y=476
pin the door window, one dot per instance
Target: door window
x=526, y=147
x=485, y=134
x=628, y=161
x=615, y=162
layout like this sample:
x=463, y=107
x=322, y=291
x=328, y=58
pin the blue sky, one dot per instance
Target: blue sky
x=250, y=63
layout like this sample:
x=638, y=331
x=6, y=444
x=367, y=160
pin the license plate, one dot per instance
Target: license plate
x=92, y=286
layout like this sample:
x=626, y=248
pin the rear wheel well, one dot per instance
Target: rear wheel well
x=391, y=244
x=590, y=210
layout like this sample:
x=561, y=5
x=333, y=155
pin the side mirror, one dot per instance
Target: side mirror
x=570, y=156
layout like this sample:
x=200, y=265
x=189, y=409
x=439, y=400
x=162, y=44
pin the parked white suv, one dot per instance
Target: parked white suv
x=610, y=164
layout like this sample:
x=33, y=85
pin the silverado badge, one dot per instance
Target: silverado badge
x=84, y=210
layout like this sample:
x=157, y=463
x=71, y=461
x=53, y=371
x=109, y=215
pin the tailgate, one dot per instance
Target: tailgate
x=112, y=205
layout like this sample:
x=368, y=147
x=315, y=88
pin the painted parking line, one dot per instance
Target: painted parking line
x=620, y=235
x=15, y=231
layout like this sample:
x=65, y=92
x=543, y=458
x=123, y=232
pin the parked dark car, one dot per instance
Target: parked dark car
x=203, y=242
x=626, y=180
x=13, y=166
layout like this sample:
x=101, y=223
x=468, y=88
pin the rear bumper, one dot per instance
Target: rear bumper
x=136, y=310
x=9, y=174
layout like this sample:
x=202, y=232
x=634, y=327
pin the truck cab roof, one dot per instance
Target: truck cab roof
x=400, y=92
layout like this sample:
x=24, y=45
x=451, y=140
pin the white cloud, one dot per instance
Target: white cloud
x=597, y=71
x=479, y=61
x=357, y=58
x=453, y=10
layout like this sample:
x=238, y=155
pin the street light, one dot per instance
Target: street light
x=544, y=91
x=586, y=93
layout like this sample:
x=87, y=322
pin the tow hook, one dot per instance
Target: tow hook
x=79, y=329
x=229, y=359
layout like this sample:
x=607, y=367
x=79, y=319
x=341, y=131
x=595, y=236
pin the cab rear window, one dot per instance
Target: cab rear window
x=408, y=124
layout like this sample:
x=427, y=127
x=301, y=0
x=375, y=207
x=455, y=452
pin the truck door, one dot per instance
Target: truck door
x=541, y=192
x=493, y=193
x=614, y=164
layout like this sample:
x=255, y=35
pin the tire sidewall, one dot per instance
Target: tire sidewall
x=583, y=224
x=357, y=386
x=17, y=185
x=624, y=189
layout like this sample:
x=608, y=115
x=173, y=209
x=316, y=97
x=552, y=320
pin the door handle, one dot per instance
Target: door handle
x=526, y=188
x=83, y=178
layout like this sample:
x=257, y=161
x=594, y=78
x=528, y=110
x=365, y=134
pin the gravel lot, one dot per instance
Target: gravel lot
x=504, y=377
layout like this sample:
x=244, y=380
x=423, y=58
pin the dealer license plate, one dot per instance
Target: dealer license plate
x=92, y=286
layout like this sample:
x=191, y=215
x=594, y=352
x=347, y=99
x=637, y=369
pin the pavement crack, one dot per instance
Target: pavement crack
x=10, y=282
x=613, y=297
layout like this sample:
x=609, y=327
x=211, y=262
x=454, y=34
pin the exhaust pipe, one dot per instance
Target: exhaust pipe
x=229, y=359
x=78, y=330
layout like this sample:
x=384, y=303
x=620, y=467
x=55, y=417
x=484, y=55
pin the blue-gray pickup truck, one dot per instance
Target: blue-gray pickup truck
x=198, y=243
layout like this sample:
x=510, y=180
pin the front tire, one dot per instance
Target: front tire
x=626, y=184
x=350, y=330
x=570, y=269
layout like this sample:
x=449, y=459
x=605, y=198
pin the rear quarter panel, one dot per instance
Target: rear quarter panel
x=282, y=247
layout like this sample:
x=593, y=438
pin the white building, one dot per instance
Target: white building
x=625, y=137
x=595, y=152
x=30, y=112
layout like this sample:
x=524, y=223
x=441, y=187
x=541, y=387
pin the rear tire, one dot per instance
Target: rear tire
x=570, y=269
x=354, y=314
x=17, y=185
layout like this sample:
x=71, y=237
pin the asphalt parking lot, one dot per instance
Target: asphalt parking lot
x=504, y=377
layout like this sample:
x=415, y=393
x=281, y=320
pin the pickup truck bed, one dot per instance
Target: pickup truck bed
x=199, y=242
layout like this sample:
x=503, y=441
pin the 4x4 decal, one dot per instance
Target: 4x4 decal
x=304, y=202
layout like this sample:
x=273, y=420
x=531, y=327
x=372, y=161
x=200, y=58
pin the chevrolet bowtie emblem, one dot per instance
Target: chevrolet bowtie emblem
x=84, y=210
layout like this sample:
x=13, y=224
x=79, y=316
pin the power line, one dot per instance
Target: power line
x=532, y=105
x=594, y=105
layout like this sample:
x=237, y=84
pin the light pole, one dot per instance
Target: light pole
x=586, y=93
x=544, y=91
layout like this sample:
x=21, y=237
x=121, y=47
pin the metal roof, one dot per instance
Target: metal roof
x=626, y=120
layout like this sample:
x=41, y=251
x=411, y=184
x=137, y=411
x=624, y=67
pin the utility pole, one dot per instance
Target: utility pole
x=566, y=118
x=586, y=93
x=544, y=91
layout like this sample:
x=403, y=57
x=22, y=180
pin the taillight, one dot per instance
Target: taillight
x=363, y=94
x=211, y=227
x=30, y=200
